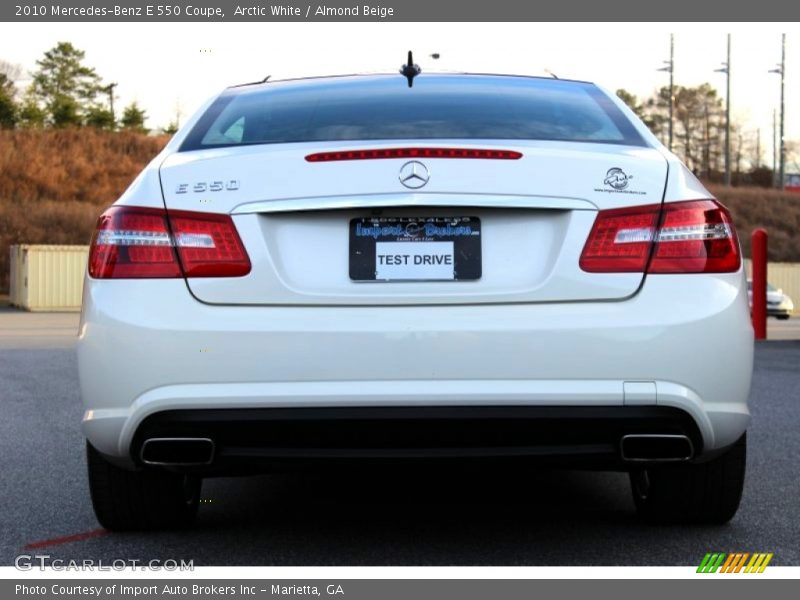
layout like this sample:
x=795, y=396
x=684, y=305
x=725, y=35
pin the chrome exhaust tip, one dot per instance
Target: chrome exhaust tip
x=655, y=448
x=177, y=452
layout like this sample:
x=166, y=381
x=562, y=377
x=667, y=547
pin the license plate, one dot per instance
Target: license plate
x=415, y=249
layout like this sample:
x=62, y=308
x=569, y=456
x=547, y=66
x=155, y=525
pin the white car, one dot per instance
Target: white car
x=779, y=305
x=427, y=269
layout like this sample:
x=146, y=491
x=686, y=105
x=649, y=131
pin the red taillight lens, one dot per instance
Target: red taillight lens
x=620, y=240
x=377, y=153
x=683, y=237
x=696, y=237
x=208, y=245
x=134, y=242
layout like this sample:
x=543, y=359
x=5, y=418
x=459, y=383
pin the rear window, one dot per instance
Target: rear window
x=437, y=107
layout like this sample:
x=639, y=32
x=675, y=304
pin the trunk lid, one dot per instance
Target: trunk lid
x=295, y=216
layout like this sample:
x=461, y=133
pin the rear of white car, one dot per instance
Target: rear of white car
x=473, y=267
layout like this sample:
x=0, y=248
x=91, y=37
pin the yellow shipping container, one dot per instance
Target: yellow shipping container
x=47, y=278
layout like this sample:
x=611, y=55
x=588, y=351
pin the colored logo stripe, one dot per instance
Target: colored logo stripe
x=711, y=562
x=733, y=563
x=758, y=563
x=726, y=568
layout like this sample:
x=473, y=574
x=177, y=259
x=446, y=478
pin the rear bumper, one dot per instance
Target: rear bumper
x=685, y=342
x=269, y=438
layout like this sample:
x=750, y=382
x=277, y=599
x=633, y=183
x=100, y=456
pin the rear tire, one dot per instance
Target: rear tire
x=139, y=500
x=706, y=492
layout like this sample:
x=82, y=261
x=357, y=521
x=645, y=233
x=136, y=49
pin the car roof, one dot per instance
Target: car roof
x=363, y=77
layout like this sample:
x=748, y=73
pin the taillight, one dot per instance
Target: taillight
x=137, y=242
x=680, y=237
x=131, y=243
x=208, y=245
x=621, y=240
x=696, y=237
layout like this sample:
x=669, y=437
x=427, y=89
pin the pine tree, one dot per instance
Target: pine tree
x=8, y=105
x=64, y=87
x=133, y=118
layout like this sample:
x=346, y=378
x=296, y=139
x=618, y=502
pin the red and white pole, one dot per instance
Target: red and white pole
x=759, y=252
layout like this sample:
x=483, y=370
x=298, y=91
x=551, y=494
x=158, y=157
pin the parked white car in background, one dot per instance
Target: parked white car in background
x=418, y=269
x=779, y=305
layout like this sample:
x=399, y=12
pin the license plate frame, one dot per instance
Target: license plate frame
x=376, y=240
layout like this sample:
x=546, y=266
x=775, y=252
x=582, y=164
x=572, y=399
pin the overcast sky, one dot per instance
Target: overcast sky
x=171, y=66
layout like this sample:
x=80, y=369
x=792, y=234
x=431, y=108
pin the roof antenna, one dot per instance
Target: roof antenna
x=410, y=70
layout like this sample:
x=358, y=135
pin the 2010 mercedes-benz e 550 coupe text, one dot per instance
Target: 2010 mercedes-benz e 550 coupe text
x=469, y=267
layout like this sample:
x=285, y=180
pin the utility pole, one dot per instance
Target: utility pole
x=739, y=158
x=726, y=68
x=707, y=145
x=728, y=115
x=671, y=85
x=774, y=149
x=178, y=113
x=109, y=89
x=670, y=68
x=782, y=180
x=758, y=149
x=781, y=70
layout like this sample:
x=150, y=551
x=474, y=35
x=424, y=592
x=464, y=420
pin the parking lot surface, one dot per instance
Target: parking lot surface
x=408, y=518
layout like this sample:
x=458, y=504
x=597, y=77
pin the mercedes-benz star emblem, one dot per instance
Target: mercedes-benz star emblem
x=414, y=174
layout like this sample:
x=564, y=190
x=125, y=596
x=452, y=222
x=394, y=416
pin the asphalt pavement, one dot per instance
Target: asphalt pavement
x=409, y=518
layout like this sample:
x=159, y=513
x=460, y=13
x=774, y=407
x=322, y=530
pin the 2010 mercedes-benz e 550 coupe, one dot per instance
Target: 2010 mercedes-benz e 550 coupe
x=472, y=267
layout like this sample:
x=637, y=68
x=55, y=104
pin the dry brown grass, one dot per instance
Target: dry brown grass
x=83, y=165
x=777, y=212
x=54, y=184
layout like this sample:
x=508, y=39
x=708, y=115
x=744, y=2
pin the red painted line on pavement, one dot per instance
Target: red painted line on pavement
x=77, y=537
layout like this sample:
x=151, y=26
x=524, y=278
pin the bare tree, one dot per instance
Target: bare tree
x=699, y=123
x=13, y=72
